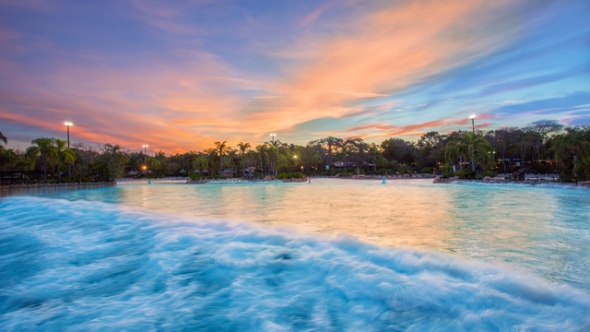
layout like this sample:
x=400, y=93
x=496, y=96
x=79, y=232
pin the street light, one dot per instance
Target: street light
x=68, y=125
x=273, y=136
x=460, y=156
x=472, y=117
x=145, y=146
x=294, y=161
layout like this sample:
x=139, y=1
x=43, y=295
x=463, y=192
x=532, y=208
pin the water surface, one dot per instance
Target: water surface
x=330, y=255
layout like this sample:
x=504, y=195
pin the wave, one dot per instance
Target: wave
x=92, y=266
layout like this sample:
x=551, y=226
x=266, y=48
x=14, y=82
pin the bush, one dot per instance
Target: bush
x=294, y=175
x=196, y=176
x=447, y=171
x=427, y=170
x=405, y=169
x=395, y=166
x=566, y=177
x=383, y=171
x=542, y=168
x=465, y=174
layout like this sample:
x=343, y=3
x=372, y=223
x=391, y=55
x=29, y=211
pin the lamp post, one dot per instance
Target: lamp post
x=145, y=146
x=460, y=156
x=472, y=117
x=272, y=137
x=68, y=125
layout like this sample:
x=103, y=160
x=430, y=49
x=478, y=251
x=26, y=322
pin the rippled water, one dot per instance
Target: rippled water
x=330, y=255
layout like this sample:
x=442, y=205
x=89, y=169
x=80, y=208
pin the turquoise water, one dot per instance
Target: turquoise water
x=328, y=255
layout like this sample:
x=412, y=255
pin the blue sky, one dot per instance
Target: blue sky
x=180, y=75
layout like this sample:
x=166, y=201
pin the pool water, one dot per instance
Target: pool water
x=333, y=254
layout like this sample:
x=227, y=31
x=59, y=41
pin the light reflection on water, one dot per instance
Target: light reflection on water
x=545, y=230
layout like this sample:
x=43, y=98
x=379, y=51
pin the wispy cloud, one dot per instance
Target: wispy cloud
x=356, y=65
x=188, y=74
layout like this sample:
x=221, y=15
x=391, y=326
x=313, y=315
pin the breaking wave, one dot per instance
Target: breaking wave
x=92, y=266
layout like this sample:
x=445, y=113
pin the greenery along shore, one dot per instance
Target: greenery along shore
x=543, y=147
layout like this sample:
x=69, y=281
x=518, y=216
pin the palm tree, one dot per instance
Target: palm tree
x=113, y=161
x=572, y=152
x=272, y=153
x=261, y=150
x=220, y=146
x=45, y=149
x=63, y=154
x=3, y=138
x=201, y=163
x=476, y=142
x=211, y=154
x=9, y=159
x=455, y=148
x=232, y=157
x=471, y=146
x=243, y=148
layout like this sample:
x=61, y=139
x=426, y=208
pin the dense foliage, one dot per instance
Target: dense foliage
x=543, y=147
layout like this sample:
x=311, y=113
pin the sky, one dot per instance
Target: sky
x=180, y=75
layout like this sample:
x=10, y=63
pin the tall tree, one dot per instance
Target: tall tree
x=431, y=149
x=211, y=156
x=243, y=148
x=572, y=153
x=44, y=149
x=201, y=164
x=63, y=154
x=331, y=142
x=3, y=138
x=397, y=149
x=232, y=158
x=545, y=127
x=478, y=149
x=221, y=147
x=112, y=162
x=456, y=149
x=539, y=132
x=374, y=150
x=357, y=149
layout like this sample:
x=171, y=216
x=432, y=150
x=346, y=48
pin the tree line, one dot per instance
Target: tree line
x=542, y=147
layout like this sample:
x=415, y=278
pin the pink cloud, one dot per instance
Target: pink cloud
x=316, y=14
x=414, y=131
x=191, y=103
x=381, y=52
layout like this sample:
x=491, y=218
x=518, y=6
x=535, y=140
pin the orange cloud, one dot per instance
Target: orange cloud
x=382, y=52
x=201, y=99
x=417, y=129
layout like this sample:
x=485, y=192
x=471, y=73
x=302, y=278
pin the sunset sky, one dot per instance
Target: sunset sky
x=179, y=75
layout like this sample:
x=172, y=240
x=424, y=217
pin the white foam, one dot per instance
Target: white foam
x=86, y=266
